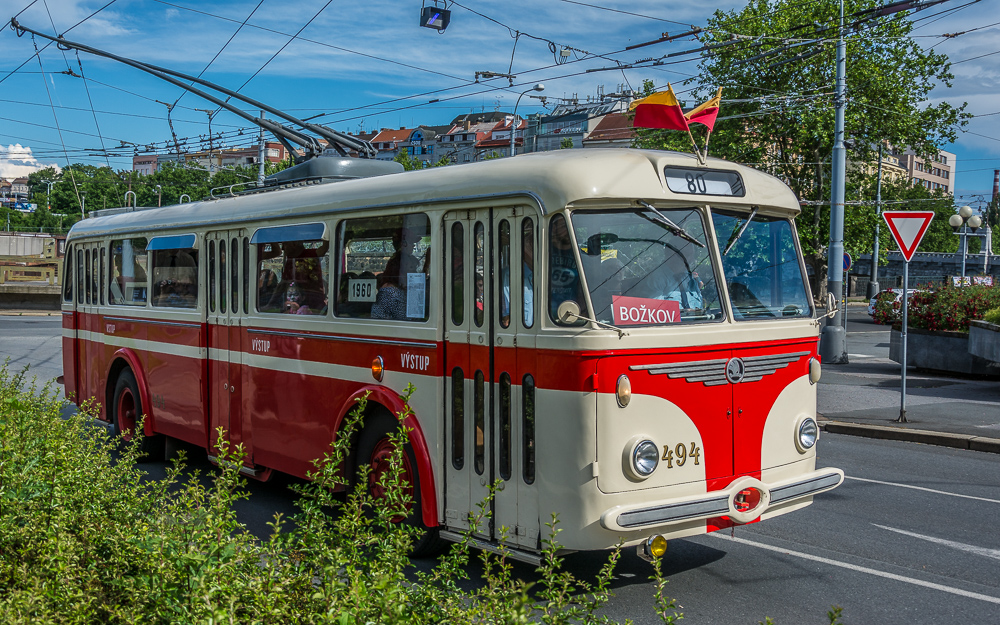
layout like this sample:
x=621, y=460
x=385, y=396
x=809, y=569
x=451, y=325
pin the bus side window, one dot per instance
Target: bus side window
x=234, y=277
x=564, y=276
x=478, y=236
x=528, y=427
x=480, y=404
x=128, y=284
x=457, y=418
x=79, y=277
x=95, y=278
x=383, y=268
x=102, y=273
x=67, y=276
x=457, y=274
x=528, y=271
x=86, y=273
x=175, y=278
x=211, y=276
x=246, y=275
x=504, y=256
x=505, y=426
x=292, y=277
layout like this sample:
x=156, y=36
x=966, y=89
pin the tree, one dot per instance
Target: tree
x=566, y=143
x=778, y=111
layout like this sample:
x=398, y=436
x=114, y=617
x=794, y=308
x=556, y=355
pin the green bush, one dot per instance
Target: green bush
x=992, y=316
x=887, y=308
x=86, y=538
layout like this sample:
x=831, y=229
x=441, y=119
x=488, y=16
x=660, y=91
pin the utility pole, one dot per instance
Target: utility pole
x=873, y=283
x=833, y=341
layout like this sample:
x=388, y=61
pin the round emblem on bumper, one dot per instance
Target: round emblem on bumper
x=735, y=370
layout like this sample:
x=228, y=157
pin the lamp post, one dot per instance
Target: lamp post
x=48, y=194
x=513, y=122
x=159, y=195
x=965, y=220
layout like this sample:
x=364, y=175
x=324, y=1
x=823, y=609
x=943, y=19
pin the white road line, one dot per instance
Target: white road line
x=979, y=551
x=861, y=569
x=861, y=356
x=929, y=490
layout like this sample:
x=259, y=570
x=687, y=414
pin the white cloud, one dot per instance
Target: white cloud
x=16, y=161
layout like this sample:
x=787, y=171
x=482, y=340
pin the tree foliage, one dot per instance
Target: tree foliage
x=778, y=107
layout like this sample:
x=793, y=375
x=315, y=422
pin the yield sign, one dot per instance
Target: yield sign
x=908, y=228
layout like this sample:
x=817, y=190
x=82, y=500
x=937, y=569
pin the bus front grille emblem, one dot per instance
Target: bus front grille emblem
x=735, y=370
x=720, y=371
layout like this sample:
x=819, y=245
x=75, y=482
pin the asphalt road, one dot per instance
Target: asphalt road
x=910, y=537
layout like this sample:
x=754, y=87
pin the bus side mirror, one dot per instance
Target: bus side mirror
x=568, y=311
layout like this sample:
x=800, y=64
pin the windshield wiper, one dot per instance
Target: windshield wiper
x=674, y=228
x=738, y=233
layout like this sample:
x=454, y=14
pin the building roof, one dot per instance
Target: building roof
x=478, y=118
x=389, y=134
x=614, y=127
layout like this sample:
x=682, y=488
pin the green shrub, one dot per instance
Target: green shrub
x=86, y=538
x=992, y=316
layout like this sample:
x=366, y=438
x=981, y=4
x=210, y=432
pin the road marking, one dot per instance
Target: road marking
x=861, y=569
x=861, y=356
x=929, y=490
x=979, y=551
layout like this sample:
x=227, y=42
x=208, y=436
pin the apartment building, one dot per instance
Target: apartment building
x=936, y=173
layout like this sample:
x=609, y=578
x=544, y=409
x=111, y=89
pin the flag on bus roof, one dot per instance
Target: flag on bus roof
x=706, y=112
x=659, y=110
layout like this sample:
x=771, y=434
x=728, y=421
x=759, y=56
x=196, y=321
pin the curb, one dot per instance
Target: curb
x=927, y=437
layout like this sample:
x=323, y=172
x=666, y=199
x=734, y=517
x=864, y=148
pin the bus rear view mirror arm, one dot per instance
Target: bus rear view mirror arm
x=570, y=310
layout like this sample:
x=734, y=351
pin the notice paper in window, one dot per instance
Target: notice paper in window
x=416, y=288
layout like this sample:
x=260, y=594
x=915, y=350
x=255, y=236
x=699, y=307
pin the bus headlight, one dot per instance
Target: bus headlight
x=623, y=391
x=642, y=456
x=806, y=434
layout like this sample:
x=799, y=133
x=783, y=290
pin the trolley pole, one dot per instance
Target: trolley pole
x=260, y=155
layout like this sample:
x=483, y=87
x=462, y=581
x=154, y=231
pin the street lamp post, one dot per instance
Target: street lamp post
x=513, y=122
x=159, y=195
x=965, y=220
x=48, y=194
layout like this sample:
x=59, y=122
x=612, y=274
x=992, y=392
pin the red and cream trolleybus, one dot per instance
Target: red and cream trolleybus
x=624, y=338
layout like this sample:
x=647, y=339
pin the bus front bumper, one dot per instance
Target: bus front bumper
x=744, y=500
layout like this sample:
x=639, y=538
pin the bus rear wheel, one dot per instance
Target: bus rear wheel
x=126, y=410
x=375, y=449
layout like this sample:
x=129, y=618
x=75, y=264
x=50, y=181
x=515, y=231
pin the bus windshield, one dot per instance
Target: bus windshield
x=643, y=271
x=763, y=273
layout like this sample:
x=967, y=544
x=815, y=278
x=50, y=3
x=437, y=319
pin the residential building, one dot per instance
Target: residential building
x=497, y=140
x=937, y=172
x=388, y=141
x=613, y=131
x=421, y=143
x=19, y=189
x=574, y=122
x=460, y=143
x=150, y=163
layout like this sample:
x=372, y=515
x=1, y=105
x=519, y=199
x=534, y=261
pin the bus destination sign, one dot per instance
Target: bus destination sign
x=693, y=181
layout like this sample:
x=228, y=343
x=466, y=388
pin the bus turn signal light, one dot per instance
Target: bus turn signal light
x=377, y=369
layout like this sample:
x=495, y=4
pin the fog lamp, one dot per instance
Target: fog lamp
x=655, y=546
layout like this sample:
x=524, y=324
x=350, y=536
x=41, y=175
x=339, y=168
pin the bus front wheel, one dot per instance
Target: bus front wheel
x=127, y=409
x=375, y=449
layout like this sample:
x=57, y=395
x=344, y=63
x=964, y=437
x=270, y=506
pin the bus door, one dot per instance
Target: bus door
x=483, y=380
x=228, y=297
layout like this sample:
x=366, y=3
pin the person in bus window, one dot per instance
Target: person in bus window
x=390, y=300
x=267, y=283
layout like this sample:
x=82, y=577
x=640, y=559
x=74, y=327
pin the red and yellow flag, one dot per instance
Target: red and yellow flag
x=706, y=112
x=660, y=110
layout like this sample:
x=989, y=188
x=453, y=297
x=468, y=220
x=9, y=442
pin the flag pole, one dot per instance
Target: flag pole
x=697, y=150
x=707, y=138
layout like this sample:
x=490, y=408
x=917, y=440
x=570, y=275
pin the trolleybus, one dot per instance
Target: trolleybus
x=624, y=338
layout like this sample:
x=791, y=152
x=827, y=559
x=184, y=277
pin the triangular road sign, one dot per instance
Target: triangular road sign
x=908, y=228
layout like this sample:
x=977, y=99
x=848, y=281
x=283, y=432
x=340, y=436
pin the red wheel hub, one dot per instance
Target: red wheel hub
x=126, y=413
x=380, y=462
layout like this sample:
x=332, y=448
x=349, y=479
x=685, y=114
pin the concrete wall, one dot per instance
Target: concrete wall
x=984, y=341
x=22, y=244
x=29, y=297
x=926, y=267
x=940, y=351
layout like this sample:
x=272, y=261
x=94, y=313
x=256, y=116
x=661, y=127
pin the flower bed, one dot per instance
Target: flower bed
x=945, y=309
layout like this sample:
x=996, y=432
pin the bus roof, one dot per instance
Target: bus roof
x=555, y=180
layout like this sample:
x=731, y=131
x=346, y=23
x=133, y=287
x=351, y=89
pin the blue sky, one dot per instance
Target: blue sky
x=369, y=65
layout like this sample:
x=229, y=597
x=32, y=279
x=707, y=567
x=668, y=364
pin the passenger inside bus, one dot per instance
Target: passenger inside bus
x=300, y=291
x=390, y=301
